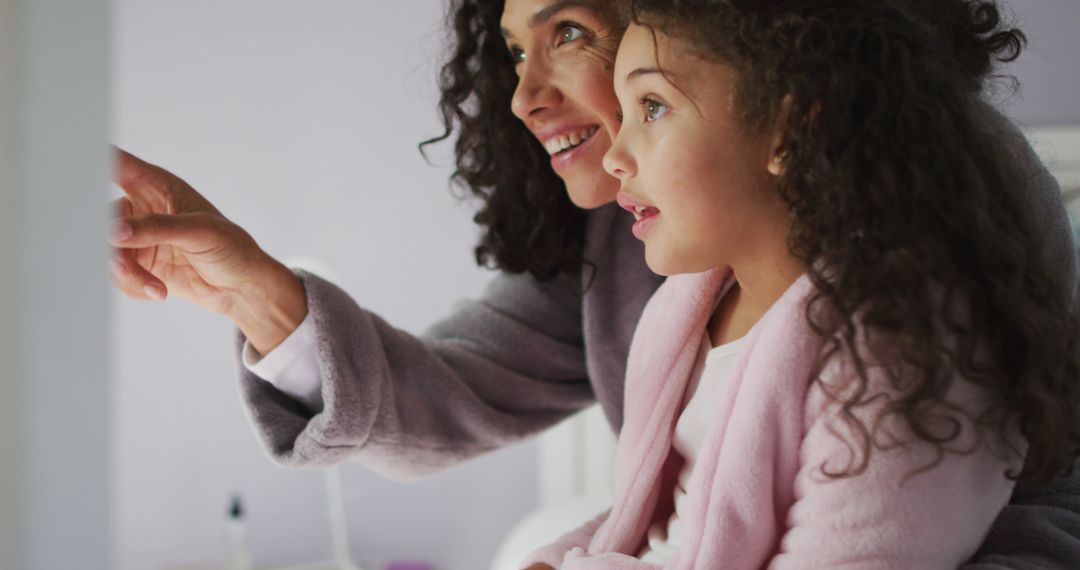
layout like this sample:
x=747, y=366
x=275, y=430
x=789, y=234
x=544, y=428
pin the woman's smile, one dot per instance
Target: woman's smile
x=567, y=139
x=571, y=147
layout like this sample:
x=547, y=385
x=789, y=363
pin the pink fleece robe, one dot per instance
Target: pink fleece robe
x=758, y=496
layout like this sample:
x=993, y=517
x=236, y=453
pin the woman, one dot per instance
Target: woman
x=547, y=337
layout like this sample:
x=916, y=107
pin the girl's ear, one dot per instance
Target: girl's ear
x=776, y=163
x=778, y=142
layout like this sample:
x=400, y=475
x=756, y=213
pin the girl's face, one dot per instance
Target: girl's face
x=701, y=186
x=564, y=52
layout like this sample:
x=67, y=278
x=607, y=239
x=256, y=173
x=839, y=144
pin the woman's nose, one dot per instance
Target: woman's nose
x=535, y=90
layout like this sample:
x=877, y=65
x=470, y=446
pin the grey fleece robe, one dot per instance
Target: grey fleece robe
x=528, y=354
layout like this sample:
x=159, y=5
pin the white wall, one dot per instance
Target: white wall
x=1049, y=70
x=300, y=121
x=54, y=393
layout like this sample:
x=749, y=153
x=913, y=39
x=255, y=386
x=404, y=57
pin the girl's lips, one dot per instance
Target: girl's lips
x=643, y=223
x=643, y=213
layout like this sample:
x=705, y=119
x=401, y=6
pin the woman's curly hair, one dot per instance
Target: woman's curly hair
x=529, y=223
x=907, y=207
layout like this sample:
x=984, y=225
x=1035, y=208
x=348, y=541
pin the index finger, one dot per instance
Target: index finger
x=146, y=184
x=133, y=173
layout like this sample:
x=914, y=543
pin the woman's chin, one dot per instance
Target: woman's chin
x=591, y=192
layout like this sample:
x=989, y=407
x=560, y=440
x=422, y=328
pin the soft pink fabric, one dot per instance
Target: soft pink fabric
x=759, y=498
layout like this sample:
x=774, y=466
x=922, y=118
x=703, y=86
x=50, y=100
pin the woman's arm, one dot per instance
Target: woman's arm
x=498, y=368
x=1039, y=528
x=501, y=367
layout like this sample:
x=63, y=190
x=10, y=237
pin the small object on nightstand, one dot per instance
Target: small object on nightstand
x=240, y=559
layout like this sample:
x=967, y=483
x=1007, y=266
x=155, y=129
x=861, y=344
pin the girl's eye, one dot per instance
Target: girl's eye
x=652, y=110
x=569, y=33
x=517, y=55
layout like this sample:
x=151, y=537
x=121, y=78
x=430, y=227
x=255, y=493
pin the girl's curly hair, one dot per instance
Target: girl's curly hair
x=908, y=211
x=529, y=223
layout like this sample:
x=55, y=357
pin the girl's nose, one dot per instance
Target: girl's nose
x=617, y=160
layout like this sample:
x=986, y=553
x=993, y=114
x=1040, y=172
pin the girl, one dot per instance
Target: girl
x=863, y=346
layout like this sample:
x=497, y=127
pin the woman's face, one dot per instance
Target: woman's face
x=701, y=184
x=564, y=53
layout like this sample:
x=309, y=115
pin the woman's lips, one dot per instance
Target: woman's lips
x=564, y=139
x=565, y=159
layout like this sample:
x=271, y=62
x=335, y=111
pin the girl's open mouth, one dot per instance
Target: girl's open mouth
x=644, y=214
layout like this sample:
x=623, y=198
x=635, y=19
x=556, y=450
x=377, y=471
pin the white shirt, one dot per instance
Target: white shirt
x=703, y=394
x=292, y=366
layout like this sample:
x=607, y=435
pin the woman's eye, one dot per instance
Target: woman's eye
x=569, y=33
x=517, y=55
x=652, y=110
